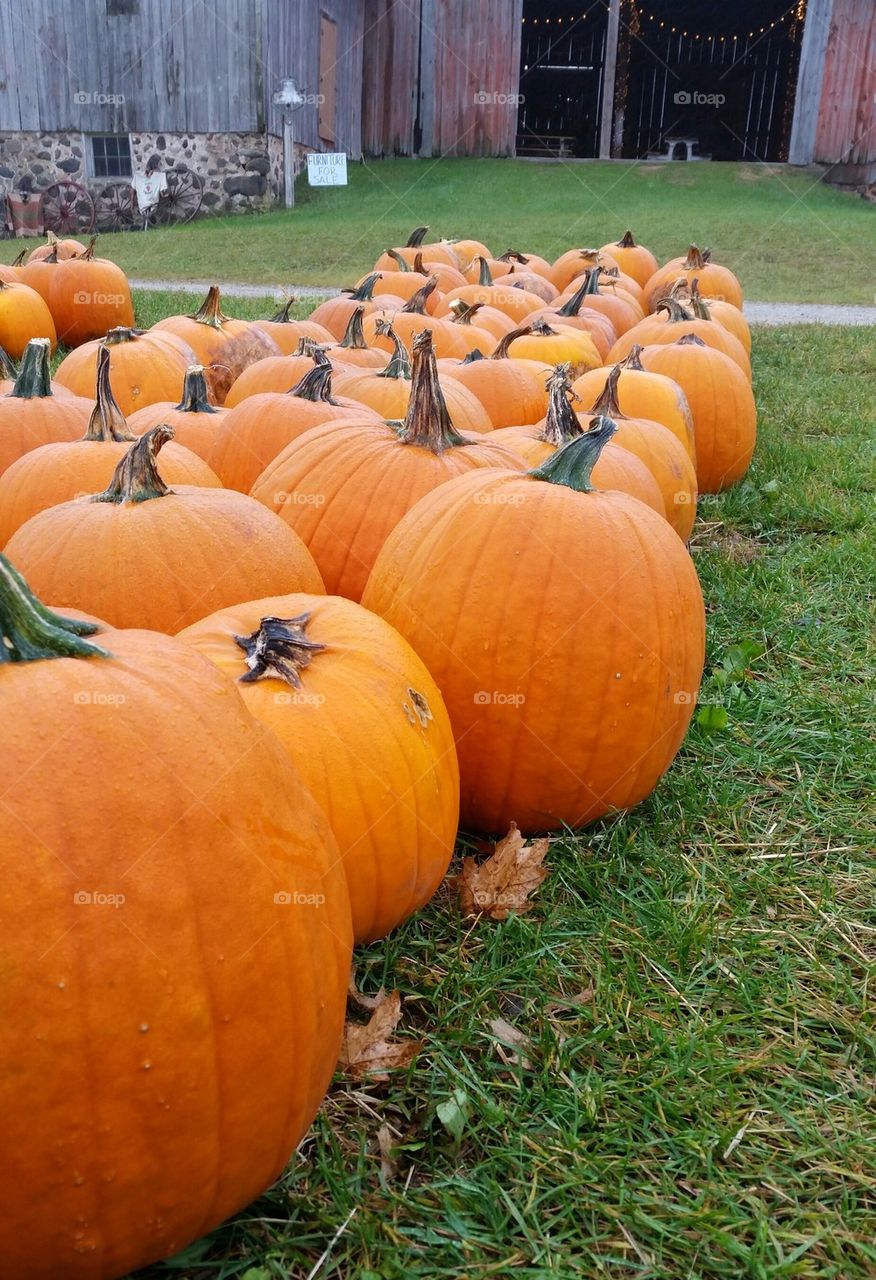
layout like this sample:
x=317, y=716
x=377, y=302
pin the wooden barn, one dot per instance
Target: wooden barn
x=96, y=90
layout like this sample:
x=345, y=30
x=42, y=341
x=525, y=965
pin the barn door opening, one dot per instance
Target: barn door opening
x=707, y=79
x=562, y=55
x=328, y=79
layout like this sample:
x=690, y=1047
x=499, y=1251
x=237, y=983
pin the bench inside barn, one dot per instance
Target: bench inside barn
x=557, y=146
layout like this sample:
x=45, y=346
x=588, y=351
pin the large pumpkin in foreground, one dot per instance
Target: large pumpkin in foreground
x=174, y=949
x=565, y=630
x=365, y=725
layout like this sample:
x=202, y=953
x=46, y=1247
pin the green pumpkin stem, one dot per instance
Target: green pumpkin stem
x=427, y=422
x=365, y=291
x=416, y=303
x=561, y=424
x=34, y=379
x=500, y=352
x=400, y=362
x=210, y=310
x=279, y=649
x=136, y=477
x=416, y=238
x=399, y=259
x=195, y=396
x=316, y=383
x=573, y=464
x=30, y=632
x=485, y=276
x=107, y=423
x=7, y=367
x=354, y=334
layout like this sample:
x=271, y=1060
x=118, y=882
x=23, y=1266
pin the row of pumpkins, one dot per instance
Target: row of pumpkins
x=317, y=592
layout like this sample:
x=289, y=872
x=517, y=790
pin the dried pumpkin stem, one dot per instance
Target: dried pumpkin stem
x=316, y=383
x=107, y=422
x=30, y=632
x=354, y=334
x=501, y=349
x=674, y=309
x=210, y=310
x=572, y=465
x=561, y=424
x=365, y=291
x=282, y=316
x=416, y=238
x=695, y=260
x=513, y=255
x=7, y=368
x=400, y=260
x=195, y=396
x=279, y=649
x=464, y=312
x=121, y=334
x=308, y=346
x=698, y=303
x=400, y=362
x=485, y=276
x=416, y=303
x=34, y=380
x=607, y=401
x=427, y=422
x=633, y=359
x=136, y=477
x=627, y=241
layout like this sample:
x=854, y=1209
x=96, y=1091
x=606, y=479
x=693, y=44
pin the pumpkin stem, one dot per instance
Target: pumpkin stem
x=427, y=422
x=471, y=356
x=542, y=329
x=88, y=252
x=633, y=359
x=365, y=290
x=416, y=238
x=210, y=310
x=7, y=368
x=316, y=383
x=279, y=649
x=513, y=255
x=34, y=380
x=195, y=397
x=416, y=303
x=607, y=401
x=676, y=312
x=29, y=631
x=485, y=276
x=573, y=463
x=694, y=260
x=500, y=351
x=463, y=312
x=627, y=241
x=121, y=334
x=573, y=305
x=354, y=334
x=691, y=340
x=107, y=422
x=561, y=424
x=698, y=303
x=400, y=362
x=419, y=265
x=136, y=477
x=282, y=316
x=308, y=346
x=400, y=261
x=20, y=260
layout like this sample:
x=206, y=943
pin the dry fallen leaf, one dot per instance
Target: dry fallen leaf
x=510, y=1043
x=365, y=1002
x=505, y=881
x=385, y=1144
x=368, y=1050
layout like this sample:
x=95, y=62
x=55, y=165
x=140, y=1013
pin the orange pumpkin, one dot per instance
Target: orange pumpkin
x=145, y=367
x=195, y=419
x=724, y=312
x=88, y=296
x=510, y=389
x=437, y=251
x=388, y=391
x=223, y=346
x=143, y=555
x=344, y=486
x=615, y=468
x=364, y=724
x=620, y=307
x=465, y=250
x=335, y=313
x=561, y=345
x=287, y=332
x=60, y=249
x=715, y=281
x=353, y=350
x=23, y=315
x=67, y=469
x=569, y=661
x=721, y=404
x=478, y=314
x=37, y=274
x=448, y=277
x=672, y=321
x=167, y=841
x=574, y=263
x=576, y=315
x=31, y=414
x=642, y=394
x=505, y=297
x=410, y=320
x=274, y=373
x=632, y=258
x=261, y=426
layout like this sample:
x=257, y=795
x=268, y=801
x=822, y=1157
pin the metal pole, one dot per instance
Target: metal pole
x=288, y=160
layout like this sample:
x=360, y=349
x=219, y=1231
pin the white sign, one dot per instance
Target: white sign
x=327, y=169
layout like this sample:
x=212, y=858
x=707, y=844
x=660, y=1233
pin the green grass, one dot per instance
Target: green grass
x=706, y=1110
x=789, y=235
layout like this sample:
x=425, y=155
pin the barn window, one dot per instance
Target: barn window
x=111, y=155
x=328, y=78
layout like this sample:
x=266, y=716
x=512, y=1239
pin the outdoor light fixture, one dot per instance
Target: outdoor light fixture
x=290, y=98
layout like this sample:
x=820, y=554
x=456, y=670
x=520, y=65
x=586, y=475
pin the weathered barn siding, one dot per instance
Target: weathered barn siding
x=291, y=48
x=846, y=133
x=177, y=66
x=441, y=76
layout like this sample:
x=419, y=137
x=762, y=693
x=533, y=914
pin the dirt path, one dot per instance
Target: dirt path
x=774, y=313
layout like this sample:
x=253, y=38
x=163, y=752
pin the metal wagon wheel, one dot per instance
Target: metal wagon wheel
x=68, y=209
x=115, y=209
x=182, y=199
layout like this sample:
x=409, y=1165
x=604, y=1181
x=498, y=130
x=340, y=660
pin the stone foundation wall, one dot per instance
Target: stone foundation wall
x=241, y=171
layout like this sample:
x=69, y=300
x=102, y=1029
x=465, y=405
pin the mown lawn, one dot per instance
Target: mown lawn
x=791, y=237
x=696, y=1099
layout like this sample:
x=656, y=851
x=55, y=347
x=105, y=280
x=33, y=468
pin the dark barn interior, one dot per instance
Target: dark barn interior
x=692, y=78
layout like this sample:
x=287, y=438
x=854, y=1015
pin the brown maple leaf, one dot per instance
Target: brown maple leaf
x=505, y=881
x=511, y=1043
x=368, y=1049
